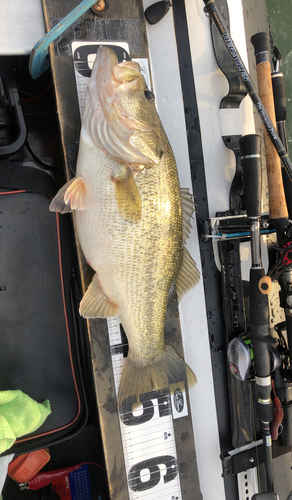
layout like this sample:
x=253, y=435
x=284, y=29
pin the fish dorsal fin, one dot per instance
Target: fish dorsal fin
x=95, y=304
x=188, y=275
x=70, y=197
x=188, y=208
x=127, y=195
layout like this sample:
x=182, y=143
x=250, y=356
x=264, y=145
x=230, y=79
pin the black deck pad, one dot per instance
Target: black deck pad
x=38, y=352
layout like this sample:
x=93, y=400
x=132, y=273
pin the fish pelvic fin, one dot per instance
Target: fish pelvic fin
x=95, y=304
x=188, y=275
x=167, y=369
x=127, y=195
x=70, y=197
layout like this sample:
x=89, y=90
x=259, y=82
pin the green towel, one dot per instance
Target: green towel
x=19, y=415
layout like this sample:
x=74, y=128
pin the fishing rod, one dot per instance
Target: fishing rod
x=283, y=267
x=285, y=253
x=260, y=285
x=280, y=112
x=213, y=11
x=277, y=201
x=230, y=236
x=259, y=306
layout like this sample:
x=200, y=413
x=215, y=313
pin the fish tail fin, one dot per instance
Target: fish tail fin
x=167, y=369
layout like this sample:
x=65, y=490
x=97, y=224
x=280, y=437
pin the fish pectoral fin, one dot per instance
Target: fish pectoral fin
x=95, y=304
x=75, y=194
x=70, y=197
x=58, y=204
x=188, y=208
x=188, y=275
x=127, y=195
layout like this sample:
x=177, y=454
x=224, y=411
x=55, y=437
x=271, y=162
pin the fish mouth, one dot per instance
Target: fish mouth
x=115, y=79
x=117, y=124
x=106, y=59
x=111, y=73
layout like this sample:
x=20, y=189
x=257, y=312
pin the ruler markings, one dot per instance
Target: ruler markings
x=148, y=451
x=163, y=434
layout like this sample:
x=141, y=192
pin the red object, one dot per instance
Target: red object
x=44, y=478
x=24, y=467
x=287, y=256
x=62, y=487
x=278, y=416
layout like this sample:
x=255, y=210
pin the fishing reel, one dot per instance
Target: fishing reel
x=283, y=350
x=240, y=357
x=284, y=257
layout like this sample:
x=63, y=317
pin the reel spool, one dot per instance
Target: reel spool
x=240, y=358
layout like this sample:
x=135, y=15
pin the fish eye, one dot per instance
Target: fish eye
x=149, y=95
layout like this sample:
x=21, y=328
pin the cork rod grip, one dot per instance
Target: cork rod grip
x=277, y=200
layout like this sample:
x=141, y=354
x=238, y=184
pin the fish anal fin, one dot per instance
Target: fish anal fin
x=188, y=275
x=69, y=197
x=127, y=195
x=95, y=304
x=188, y=208
x=164, y=371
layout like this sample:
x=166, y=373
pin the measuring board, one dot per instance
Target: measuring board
x=147, y=433
x=173, y=437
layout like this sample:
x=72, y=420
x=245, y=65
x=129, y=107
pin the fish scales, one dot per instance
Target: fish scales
x=129, y=219
x=136, y=262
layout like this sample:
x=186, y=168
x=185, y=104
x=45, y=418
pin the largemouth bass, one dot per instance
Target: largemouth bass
x=132, y=220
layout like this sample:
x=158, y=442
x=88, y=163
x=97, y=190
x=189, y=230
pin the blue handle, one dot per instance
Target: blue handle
x=39, y=60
